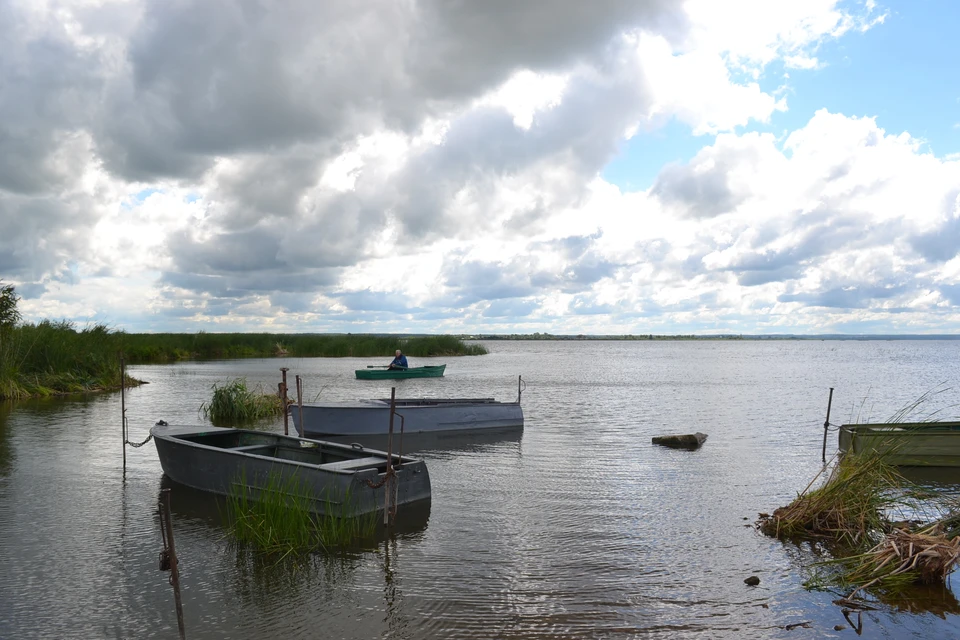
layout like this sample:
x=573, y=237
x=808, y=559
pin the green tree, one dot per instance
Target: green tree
x=9, y=314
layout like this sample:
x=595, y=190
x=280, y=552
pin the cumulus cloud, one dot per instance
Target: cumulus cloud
x=434, y=165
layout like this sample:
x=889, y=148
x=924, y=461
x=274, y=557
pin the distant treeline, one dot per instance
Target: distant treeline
x=50, y=358
x=53, y=357
x=170, y=347
x=645, y=336
x=730, y=336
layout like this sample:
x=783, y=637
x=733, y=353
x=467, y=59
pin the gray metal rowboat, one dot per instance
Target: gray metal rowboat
x=420, y=415
x=338, y=477
x=372, y=417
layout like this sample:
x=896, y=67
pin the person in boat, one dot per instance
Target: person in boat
x=399, y=362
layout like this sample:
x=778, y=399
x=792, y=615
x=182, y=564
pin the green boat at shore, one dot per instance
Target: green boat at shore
x=396, y=374
x=907, y=444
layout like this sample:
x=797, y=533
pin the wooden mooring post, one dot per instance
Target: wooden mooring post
x=123, y=410
x=389, y=479
x=303, y=422
x=283, y=399
x=826, y=426
x=168, y=557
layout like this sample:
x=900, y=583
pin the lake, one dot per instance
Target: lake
x=578, y=527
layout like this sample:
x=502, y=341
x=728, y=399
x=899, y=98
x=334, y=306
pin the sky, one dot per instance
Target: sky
x=443, y=166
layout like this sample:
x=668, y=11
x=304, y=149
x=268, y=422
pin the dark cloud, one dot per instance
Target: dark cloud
x=701, y=194
x=367, y=300
x=472, y=281
x=849, y=297
x=41, y=235
x=49, y=92
x=510, y=308
x=231, y=76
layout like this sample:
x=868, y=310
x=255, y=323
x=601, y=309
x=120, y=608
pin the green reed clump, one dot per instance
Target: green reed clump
x=233, y=402
x=849, y=507
x=280, y=518
x=277, y=518
x=440, y=346
x=50, y=358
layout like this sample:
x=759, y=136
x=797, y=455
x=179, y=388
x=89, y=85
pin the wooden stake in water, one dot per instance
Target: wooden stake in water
x=123, y=411
x=826, y=425
x=283, y=399
x=169, y=556
x=303, y=423
x=387, y=489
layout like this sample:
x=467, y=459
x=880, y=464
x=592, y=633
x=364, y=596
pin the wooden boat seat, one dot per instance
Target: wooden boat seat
x=252, y=448
x=355, y=464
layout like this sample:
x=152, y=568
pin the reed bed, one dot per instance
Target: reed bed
x=850, y=505
x=234, y=403
x=170, y=347
x=871, y=518
x=51, y=358
x=279, y=518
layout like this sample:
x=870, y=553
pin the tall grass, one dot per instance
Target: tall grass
x=279, y=518
x=870, y=517
x=234, y=403
x=848, y=507
x=51, y=358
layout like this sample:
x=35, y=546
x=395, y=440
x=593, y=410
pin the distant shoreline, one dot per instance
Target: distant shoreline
x=826, y=336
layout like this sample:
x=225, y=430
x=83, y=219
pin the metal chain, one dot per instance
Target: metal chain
x=137, y=446
x=390, y=472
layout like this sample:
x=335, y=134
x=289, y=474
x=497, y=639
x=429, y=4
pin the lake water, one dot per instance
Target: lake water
x=577, y=528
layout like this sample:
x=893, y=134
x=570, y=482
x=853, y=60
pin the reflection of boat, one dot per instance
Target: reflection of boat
x=920, y=444
x=398, y=374
x=431, y=441
x=371, y=417
x=194, y=505
x=331, y=474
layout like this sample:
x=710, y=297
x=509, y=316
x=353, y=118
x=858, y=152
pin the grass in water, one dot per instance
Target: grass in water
x=849, y=506
x=278, y=518
x=866, y=513
x=233, y=402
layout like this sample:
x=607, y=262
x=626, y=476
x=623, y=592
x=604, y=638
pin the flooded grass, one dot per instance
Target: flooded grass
x=234, y=403
x=848, y=507
x=887, y=534
x=279, y=519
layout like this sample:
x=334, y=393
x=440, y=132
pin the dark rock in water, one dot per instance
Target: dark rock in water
x=687, y=441
x=752, y=581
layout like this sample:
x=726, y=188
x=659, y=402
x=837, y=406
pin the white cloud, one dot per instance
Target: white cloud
x=435, y=166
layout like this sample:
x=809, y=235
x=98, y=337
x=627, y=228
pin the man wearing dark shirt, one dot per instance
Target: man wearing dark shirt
x=400, y=362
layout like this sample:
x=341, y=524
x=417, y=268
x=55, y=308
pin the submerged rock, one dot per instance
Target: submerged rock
x=687, y=441
x=752, y=581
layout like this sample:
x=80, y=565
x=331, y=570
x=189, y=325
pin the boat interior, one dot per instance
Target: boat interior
x=330, y=457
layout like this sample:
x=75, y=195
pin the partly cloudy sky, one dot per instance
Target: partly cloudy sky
x=494, y=166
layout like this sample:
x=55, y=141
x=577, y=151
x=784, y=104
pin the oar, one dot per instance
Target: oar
x=378, y=366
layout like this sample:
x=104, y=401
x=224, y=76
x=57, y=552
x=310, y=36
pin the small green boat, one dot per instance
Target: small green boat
x=396, y=374
x=907, y=444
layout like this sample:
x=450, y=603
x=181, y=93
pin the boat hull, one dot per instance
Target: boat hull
x=372, y=417
x=336, y=478
x=916, y=444
x=399, y=374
